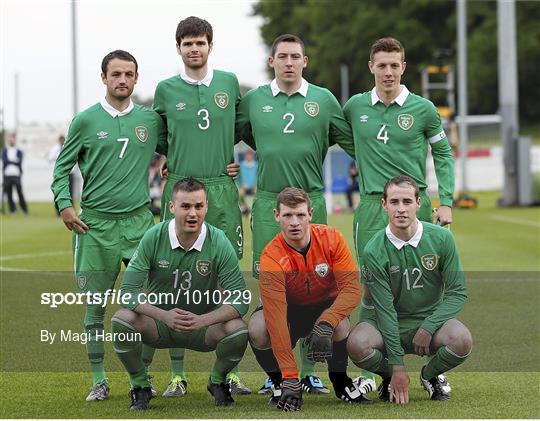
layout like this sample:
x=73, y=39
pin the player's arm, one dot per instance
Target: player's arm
x=455, y=290
x=243, y=129
x=346, y=277
x=162, y=145
x=272, y=290
x=376, y=278
x=340, y=131
x=60, y=186
x=443, y=161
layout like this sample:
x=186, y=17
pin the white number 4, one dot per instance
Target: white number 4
x=125, y=140
x=383, y=134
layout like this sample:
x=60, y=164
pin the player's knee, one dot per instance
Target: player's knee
x=342, y=330
x=233, y=325
x=359, y=344
x=126, y=315
x=461, y=342
x=258, y=335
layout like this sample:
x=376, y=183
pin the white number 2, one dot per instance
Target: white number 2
x=205, y=117
x=286, y=128
x=383, y=134
x=126, y=141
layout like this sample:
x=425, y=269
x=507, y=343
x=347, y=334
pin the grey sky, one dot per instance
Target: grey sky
x=36, y=44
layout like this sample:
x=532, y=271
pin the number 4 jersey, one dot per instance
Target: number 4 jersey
x=114, y=150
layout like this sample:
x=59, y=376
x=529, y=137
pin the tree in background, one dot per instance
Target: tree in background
x=341, y=31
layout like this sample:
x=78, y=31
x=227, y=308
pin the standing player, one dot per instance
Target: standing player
x=309, y=287
x=113, y=142
x=291, y=123
x=190, y=266
x=392, y=129
x=199, y=109
x=417, y=284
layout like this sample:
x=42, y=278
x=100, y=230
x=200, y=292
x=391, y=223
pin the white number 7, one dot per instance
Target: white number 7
x=125, y=140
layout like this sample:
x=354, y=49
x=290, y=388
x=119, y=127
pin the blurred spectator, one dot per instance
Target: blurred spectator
x=52, y=156
x=353, y=184
x=156, y=183
x=12, y=158
x=248, y=179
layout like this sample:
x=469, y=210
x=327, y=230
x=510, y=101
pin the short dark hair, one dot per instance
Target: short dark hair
x=194, y=26
x=401, y=179
x=188, y=184
x=292, y=196
x=287, y=38
x=387, y=45
x=119, y=54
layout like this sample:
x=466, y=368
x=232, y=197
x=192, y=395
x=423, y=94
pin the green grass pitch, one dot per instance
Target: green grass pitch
x=500, y=250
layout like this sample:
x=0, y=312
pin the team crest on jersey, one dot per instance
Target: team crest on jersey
x=142, y=133
x=366, y=274
x=405, y=121
x=81, y=281
x=429, y=261
x=102, y=135
x=221, y=99
x=322, y=269
x=204, y=267
x=311, y=108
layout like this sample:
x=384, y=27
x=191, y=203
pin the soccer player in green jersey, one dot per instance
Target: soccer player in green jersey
x=418, y=287
x=113, y=142
x=291, y=124
x=199, y=109
x=194, y=295
x=392, y=129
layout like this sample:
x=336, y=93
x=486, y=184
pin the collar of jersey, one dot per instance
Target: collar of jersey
x=113, y=111
x=399, y=243
x=206, y=81
x=399, y=100
x=197, y=245
x=302, y=90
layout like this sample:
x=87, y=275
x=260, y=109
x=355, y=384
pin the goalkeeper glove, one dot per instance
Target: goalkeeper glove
x=291, y=395
x=319, y=342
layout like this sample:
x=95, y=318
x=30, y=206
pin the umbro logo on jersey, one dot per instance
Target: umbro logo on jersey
x=163, y=263
x=102, y=135
x=180, y=106
x=394, y=269
x=363, y=118
x=267, y=109
x=322, y=269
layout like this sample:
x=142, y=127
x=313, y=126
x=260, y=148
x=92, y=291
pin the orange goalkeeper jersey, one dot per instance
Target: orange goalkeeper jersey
x=287, y=277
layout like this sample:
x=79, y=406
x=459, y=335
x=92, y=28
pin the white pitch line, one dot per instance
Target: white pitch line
x=516, y=221
x=32, y=255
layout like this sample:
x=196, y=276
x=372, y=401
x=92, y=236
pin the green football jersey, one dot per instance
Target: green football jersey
x=200, y=121
x=113, y=153
x=415, y=283
x=393, y=140
x=167, y=276
x=292, y=134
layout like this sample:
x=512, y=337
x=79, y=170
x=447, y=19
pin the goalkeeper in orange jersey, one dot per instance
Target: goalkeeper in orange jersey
x=309, y=287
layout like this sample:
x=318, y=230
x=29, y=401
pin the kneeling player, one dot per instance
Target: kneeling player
x=309, y=287
x=417, y=284
x=182, y=265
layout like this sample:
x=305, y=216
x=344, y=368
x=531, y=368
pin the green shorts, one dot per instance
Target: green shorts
x=169, y=338
x=264, y=226
x=407, y=327
x=223, y=207
x=370, y=217
x=110, y=240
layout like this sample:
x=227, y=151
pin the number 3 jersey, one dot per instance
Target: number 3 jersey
x=291, y=134
x=200, y=118
x=165, y=275
x=114, y=151
x=417, y=283
x=327, y=271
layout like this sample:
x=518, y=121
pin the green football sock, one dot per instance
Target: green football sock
x=307, y=367
x=229, y=351
x=95, y=348
x=375, y=363
x=177, y=362
x=148, y=355
x=129, y=351
x=233, y=372
x=443, y=360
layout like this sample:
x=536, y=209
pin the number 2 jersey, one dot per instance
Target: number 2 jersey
x=326, y=272
x=114, y=151
x=168, y=276
x=418, y=283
